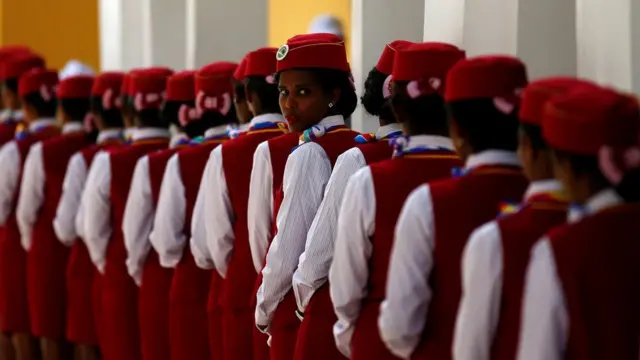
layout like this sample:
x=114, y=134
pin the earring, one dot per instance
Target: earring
x=330, y=105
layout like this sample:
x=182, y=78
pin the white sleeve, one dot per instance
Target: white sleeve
x=97, y=210
x=306, y=173
x=220, y=235
x=260, y=206
x=403, y=313
x=198, y=242
x=315, y=261
x=545, y=321
x=10, y=166
x=479, y=310
x=138, y=219
x=167, y=237
x=31, y=194
x=349, y=271
x=72, y=186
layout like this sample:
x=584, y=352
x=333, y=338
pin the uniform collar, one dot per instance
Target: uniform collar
x=542, y=187
x=73, y=126
x=215, y=131
x=386, y=130
x=428, y=142
x=331, y=121
x=492, y=157
x=149, y=133
x=600, y=201
x=41, y=123
x=244, y=127
x=263, y=118
x=108, y=134
x=129, y=132
x=178, y=139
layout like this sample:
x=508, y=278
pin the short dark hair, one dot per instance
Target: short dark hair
x=239, y=91
x=76, y=108
x=331, y=79
x=127, y=105
x=373, y=100
x=628, y=188
x=11, y=84
x=42, y=107
x=584, y=165
x=170, y=111
x=484, y=126
x=423, y=115
x=267, y=93
x=534, y=133
x=112, y=118
x=150, y=118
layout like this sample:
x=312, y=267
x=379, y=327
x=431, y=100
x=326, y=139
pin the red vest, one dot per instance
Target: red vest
x=484, y=188
x=7, y=131
x=376, y=151
x=279, y=149
x=518, y=233
x=598, y=264
x=47, y=257
x=13, y=258
x=237, y=162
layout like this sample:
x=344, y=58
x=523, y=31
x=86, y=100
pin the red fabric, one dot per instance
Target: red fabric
x=214, y=317
x=237, y=291
x=583, y=121
x=120, y=327
x=238, y=74
x=181, y=86
x=7, y=131
x=188, y=326
x=519, y=232
x=393, y=181
x=485, y=188
x=14, y=309
x=315, y=336
x=485, y=77
x=110, y=80
x=261, y=62
x=147, y=89
x=425, y=61
x=376, y=151
x=47, y=258
x=600, y=283
x=83, y=289
x=537, y=93
x=385, y=62
x=75, y=87
x=36, y=80
x=325, y=51
x=215, y=79
x=17, y=65
x=153, y=295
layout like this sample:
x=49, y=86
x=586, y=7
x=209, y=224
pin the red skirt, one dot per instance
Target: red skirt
x=120, y=331
x=214, y=315
x=46, y=281
x=315, y=337
x=14, y=310
x=260, y=347
x=81, y=326
x=284, y=329
x=188, y=325
x=366, y=342
x=153, y=309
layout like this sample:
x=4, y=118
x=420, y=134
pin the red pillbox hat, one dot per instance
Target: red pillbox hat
x=148, y=89
x=107, y=85
x=261, y=62
x=41, y=81
x=385, y=62
x=214, y=87
x=239, y=73
x=583, y=121
x=537, y=93
x=15, y=66
x=181, y=86
x=75, y=87
x=324, y=51
x=486, y=77
x=425, y=66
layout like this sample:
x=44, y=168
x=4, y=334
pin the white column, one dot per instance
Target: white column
x=164, y=33
x=224, y=30
x=540, y=32
x=121, y=38
x=609, y=42
x=444, y=21
x=374, y=23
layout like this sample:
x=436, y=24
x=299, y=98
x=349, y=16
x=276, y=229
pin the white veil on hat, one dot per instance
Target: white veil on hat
x=326, y=23
x=74, y=68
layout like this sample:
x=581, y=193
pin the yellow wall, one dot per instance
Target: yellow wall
x=58, y=29
x=292, y=17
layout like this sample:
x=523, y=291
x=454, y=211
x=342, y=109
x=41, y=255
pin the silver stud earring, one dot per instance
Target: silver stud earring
x=330, y=105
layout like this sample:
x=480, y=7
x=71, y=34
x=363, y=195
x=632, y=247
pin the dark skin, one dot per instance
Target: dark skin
x=463, y=148
x=253, y=104
x=243, y=112
x=302, y=99
x=536, y=163
x=579, y=187
x=10, y=99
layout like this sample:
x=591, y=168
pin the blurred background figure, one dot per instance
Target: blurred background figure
x=326, y=23
x=75, y=67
